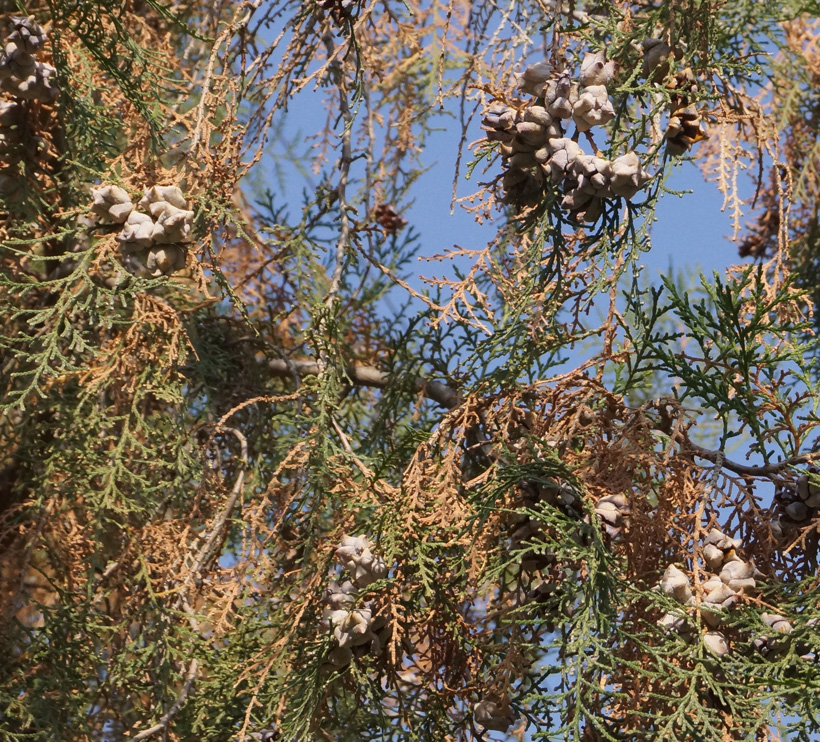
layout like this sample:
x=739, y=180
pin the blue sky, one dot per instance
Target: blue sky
x=690, y=232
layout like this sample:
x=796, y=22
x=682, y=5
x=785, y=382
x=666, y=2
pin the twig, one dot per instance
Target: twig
x=398, y=281
x=220, y=526
x=343, y=241
x=362, y=467
x=344, y=174
x=193, y=668
x=209, y=71
x=203, y=557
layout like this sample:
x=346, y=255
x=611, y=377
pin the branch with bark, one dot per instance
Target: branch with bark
x=369, y=376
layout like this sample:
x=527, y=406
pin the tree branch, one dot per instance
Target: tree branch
x=215, y=540
x=369, y=376
x=174, y=710
x=766, y=470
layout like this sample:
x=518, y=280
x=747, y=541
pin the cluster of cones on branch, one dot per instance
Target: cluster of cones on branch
x=154, y=233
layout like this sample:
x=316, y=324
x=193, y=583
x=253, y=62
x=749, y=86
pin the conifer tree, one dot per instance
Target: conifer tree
x=267, y=476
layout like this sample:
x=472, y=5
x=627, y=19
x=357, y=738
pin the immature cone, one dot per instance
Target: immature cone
x=718, y=596
x=718, y=593
x=170, y=210
x=560, y=95
x=135, y=262
x=352, y=628
x=16, y=61
x=684, y=130
x=136, y=232
x=364, y=567
x=164, y=260
x=588, y=179
x=656, y=57
x=498, y=121
x=172, y=224
x=168, y=194
x=537, y=126
x=685, y=86
x=357, y=632
x=565, y=152
x=737, y=570
x=351, y=548
x=792, y=504
x=531, y=133
x=339, y=657
x=522, y=187
x=612, y=510
x=37, y=85
x=10, y=113
x=20, y=73
x=807, y=491
x=673, y=622
x=592, y=175
x=576, y=199
x=339, y=597
x=778, y=623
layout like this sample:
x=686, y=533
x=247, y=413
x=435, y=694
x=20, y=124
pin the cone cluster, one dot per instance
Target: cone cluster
x=357, y=630
x=536, y=153
x=797, y=506
x=527, y=534
x=23, y=78
x=20, y=72
x=729, y=577
x=152, y=243
x=685, y=126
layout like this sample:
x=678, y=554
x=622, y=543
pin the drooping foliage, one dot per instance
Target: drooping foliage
x=265, y=475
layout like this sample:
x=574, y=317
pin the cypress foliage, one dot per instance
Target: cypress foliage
x=259, y=481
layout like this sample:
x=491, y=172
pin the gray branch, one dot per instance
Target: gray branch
x=174, y=710
x=767, y=470
x=369, y=376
